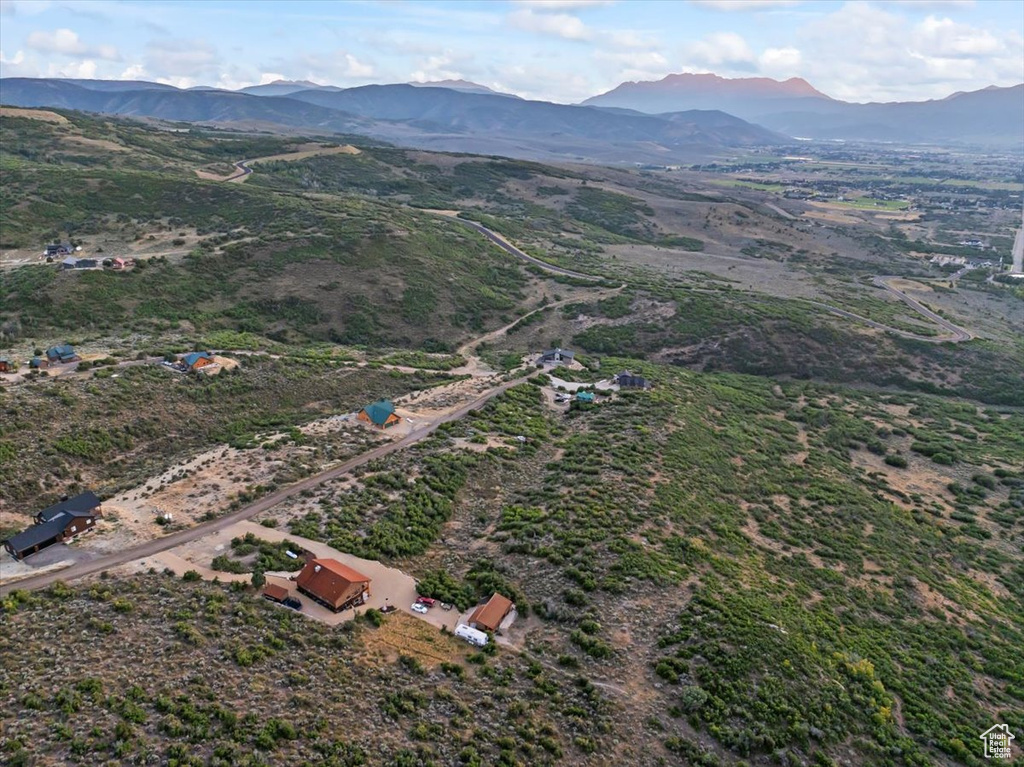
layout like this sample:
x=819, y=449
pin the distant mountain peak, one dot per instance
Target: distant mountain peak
x=686, y=84
x=303, y=83
x=466, y=86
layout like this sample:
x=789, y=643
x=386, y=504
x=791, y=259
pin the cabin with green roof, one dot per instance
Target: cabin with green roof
x=380, y=414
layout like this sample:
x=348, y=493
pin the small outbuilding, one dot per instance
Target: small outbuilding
x=489, y=615
x=56, y=524
x=38, y=363
x=334, y=585
x=7, y=365
x=275, y=593
x=380, y=414
x=556, y=357
x=586, y=397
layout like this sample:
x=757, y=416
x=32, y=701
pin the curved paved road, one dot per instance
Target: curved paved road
x=956, y=333
x=150, y=548
x=511, y=249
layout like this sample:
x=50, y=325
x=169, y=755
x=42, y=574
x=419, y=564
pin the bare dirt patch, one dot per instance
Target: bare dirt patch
x=34, y=114
x=97, y=142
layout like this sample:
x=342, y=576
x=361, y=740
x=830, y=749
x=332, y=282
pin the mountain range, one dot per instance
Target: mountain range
x=991, y=116
x=439, y=118
x=680, y=118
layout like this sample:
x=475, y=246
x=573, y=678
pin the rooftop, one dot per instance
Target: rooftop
x=329, y=578
x=379, y=411
x=491, y=612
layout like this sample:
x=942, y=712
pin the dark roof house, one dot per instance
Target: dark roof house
x=84, y=503
x=628, y=380
x=557, y=355
x=55, y=524
x=61, y=353
x=489, y=615
x=380, y=413
x=334, y=585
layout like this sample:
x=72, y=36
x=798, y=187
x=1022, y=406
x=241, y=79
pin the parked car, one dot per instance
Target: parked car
x=292, y=602
x=418, y=608
x=426, y=601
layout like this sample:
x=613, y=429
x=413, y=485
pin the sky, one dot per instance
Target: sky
x=555, y=50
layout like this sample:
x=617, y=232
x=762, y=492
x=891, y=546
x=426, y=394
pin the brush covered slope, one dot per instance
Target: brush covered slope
x=720, y=571
x=229, y=256
x=814, y=560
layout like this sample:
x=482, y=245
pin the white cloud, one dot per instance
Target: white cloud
x=646, y=61
x=744, y=5
x=561, y=25
x=80, y=70
x=356, y=68
x=780, y=61
x=133, y=72
x=334, y=67
x=17, y=66
x=535, y=82
x=182, y=60
x=67, y=42
x=863, y=52
x=944, y=37
x=721, y=49
x=439, y=67
x=630, y=38
x=560, y=5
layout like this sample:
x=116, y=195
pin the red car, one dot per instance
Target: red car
x=426, y=601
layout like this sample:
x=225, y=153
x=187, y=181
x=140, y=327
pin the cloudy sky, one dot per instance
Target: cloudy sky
x=559, y=50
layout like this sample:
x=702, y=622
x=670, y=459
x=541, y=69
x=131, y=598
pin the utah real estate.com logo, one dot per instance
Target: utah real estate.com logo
x=997, y=741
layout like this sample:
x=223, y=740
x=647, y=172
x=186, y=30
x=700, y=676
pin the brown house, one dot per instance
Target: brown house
x=58, y=523
x=489, y=615
x=332, y=584
x=197, y=360
x=380, y=414
x=6, y=366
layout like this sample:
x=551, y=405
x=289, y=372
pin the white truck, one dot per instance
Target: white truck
x=471, y=635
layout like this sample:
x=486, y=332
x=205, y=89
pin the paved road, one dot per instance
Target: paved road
x=956, y=333
x=148, y=549
x=243, y=171
x=1017, y=259
x=511, y=249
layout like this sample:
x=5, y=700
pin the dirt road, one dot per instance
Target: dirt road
x=150, y=548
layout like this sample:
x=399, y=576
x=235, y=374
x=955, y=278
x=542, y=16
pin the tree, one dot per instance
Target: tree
x=258, y=579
